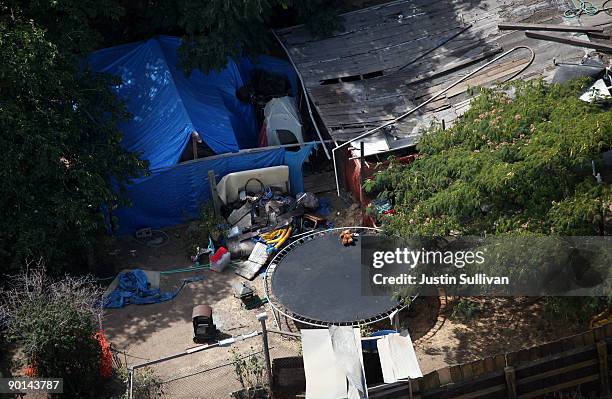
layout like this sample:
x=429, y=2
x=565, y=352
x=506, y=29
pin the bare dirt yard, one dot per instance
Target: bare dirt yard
x=499, y=326
x=153, y=331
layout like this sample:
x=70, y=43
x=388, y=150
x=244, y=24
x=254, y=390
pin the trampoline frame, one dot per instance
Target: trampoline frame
x=277, y=306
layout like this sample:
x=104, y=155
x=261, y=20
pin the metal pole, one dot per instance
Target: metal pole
x=262, y=317
x=410, y=387
x=130, y=382
x=276, y=321
x=394, y=320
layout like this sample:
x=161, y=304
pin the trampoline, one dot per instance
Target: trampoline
x=316, y=280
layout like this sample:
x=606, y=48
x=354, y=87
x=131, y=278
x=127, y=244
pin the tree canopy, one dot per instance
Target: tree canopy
x=518, y=162
x=214, y=30
x=60, y=137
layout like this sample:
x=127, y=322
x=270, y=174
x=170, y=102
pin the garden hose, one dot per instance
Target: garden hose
x=279, y=238
x=284, y=238
x=273, y=235
x=185, y=269
x=166, y=272
x=583, y=7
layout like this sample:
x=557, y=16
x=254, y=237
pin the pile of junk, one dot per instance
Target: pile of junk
x=259, y=217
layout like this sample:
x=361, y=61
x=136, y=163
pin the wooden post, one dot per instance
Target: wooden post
x=212, y=181
x=414, y=389
x=602, y=353
x=548, y=27
x=262, y=317
x=194, y=145
x=569, y=40
x=510, y=382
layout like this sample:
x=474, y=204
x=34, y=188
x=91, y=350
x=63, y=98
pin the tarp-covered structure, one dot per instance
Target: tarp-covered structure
x=166, y=107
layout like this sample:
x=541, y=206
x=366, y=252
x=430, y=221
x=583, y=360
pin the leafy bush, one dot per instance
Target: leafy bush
x=207, y=225
x=465, y=309
x=575, y=309
x=519, y=161
x=60, y=122
x=53, y=323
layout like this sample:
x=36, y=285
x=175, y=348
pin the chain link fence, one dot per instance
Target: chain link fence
x=211, y=373
x=208, y=380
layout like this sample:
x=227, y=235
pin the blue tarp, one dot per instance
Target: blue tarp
x=133, y=288
x=166, y=107
x=175, y=195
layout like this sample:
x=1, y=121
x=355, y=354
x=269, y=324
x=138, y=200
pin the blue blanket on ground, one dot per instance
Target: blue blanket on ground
x=133, y=288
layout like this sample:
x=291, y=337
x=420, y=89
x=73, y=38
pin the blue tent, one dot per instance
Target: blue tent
x=166, y=107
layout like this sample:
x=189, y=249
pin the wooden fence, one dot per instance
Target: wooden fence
x=578, y=362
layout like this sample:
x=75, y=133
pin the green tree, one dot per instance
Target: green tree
x=75, y=26
x=61, y=144
x=518, y=162
x=216, y=30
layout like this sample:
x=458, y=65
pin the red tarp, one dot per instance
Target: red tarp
x=352, y=172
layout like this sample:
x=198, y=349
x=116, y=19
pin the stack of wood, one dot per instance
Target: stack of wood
x=534, y=31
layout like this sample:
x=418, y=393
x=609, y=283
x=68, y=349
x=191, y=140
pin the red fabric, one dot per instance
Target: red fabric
x=262, y=140
x=106, y=360
x=217, y=256
x=352, y=177
x=30, y=371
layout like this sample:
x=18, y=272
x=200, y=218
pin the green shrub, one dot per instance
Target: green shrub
x=575, y=309
x=249, y=371
x=207, y=225
x=519, y=161
x=465, y=309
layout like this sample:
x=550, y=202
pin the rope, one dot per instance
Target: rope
x=582, y=8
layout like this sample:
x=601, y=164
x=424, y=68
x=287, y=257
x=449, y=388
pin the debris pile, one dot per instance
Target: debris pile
x=259, y=218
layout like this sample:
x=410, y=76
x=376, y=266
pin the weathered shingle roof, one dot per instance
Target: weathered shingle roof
x=393, y=56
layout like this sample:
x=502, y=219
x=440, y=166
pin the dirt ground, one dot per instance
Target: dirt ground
x=150, y=332
x=501, y=325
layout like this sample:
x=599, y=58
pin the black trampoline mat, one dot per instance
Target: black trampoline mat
x=321, y=280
